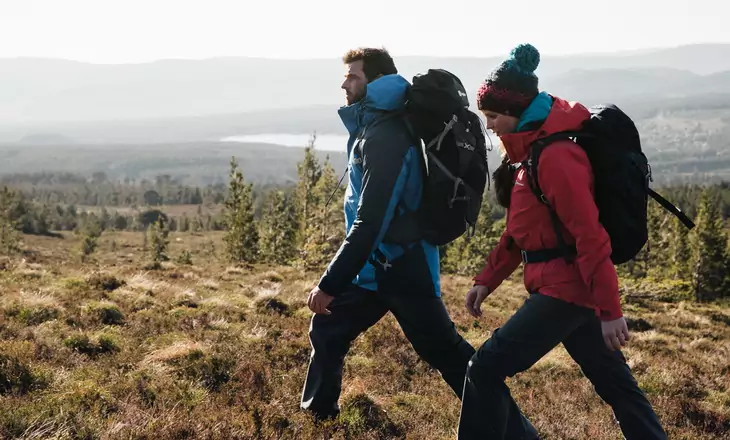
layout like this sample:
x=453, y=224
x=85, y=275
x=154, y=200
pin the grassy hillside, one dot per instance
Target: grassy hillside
x=111, y=350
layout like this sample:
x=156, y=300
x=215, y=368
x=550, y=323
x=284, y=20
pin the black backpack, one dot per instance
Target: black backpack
x=454, y=155
x=621, y=175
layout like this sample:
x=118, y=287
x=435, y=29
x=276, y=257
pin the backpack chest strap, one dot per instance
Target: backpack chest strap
x=545, y=255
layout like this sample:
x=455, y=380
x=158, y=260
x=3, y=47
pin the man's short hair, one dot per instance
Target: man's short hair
x=375, y=61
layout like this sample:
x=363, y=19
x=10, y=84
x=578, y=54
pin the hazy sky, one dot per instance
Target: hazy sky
x=120, y=31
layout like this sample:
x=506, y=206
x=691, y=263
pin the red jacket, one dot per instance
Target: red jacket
x=566, y=179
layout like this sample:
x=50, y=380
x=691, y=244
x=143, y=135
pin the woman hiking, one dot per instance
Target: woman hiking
x=574, y=298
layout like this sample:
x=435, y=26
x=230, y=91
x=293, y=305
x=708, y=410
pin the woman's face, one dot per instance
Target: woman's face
x=499, y=123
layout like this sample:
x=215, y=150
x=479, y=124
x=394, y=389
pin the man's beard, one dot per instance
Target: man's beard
x=352, y=99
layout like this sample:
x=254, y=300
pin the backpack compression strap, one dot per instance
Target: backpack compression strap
x=429, y=155
x=671, y=208
x=437, y=140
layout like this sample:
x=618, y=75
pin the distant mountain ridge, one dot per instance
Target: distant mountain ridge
x=46, y=90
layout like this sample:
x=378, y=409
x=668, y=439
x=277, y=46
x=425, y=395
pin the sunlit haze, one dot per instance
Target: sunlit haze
x=140, y=31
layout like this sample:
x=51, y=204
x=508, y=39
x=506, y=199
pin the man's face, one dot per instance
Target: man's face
x=355, y=82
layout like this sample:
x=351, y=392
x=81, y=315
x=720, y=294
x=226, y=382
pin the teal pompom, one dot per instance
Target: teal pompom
x=525, y=57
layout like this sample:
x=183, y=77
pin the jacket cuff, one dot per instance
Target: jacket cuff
x=610, y=313
x=487, y=280
x=327, y=286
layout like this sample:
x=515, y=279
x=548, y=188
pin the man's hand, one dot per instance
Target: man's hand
x=319, y=301
x=615, y=333
x=474, y=299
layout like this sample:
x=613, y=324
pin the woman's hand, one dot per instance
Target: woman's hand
x=474, y=299
x=615, y=333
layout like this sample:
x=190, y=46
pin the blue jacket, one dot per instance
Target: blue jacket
x=384, y=180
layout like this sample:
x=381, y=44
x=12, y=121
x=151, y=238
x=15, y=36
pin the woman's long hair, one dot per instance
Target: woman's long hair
x=504, y=180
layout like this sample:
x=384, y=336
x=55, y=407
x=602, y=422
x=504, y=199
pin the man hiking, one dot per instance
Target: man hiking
x=370, y=276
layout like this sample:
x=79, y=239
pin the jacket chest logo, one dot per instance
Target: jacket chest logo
x=520, y=177
x=357, y=152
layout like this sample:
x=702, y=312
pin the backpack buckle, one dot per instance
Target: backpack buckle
x=382, y=260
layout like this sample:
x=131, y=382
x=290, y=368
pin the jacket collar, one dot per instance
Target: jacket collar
x=385, y=94
x=562, y=116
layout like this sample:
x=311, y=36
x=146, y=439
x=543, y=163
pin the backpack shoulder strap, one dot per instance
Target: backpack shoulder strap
x=382, y=118
x=533, y=160
x=531, y=165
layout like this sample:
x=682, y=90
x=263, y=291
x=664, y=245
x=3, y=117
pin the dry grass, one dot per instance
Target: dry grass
x=109, y=350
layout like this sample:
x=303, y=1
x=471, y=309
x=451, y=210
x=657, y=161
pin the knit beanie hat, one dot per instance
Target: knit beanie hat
x=511, y=86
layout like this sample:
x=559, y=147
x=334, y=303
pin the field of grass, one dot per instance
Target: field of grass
x=110, y=350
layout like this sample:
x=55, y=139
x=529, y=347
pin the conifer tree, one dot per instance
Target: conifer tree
x=90, y=233
x=636, y=267
x=309, y=171
x=709, y=259
x=279, y=229
x=41, y=224
x=726, y=287
x=653, y=256
x=466, y=254
x=8, y=224
x=197, y=198
x=325, y=225
x=157, y=238
x=105, y=219
x=679, y=251
x=241, y=238
x=656, y=258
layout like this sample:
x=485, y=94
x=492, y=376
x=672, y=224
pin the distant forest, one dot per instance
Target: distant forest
x=293, y=225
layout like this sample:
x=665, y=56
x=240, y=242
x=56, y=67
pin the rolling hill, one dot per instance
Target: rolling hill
x=41, y=90
x=141, y=120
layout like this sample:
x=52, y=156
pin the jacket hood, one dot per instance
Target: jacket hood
x=385, y=94
x=563, y=116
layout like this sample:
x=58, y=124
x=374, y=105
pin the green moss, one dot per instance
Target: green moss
x=102, y=344
x=211, y=371
x=15, y=377
x=105, y=312
x=361, y=415
x=104, y=282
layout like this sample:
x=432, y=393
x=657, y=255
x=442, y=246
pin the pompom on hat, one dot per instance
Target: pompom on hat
x=510, y=87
